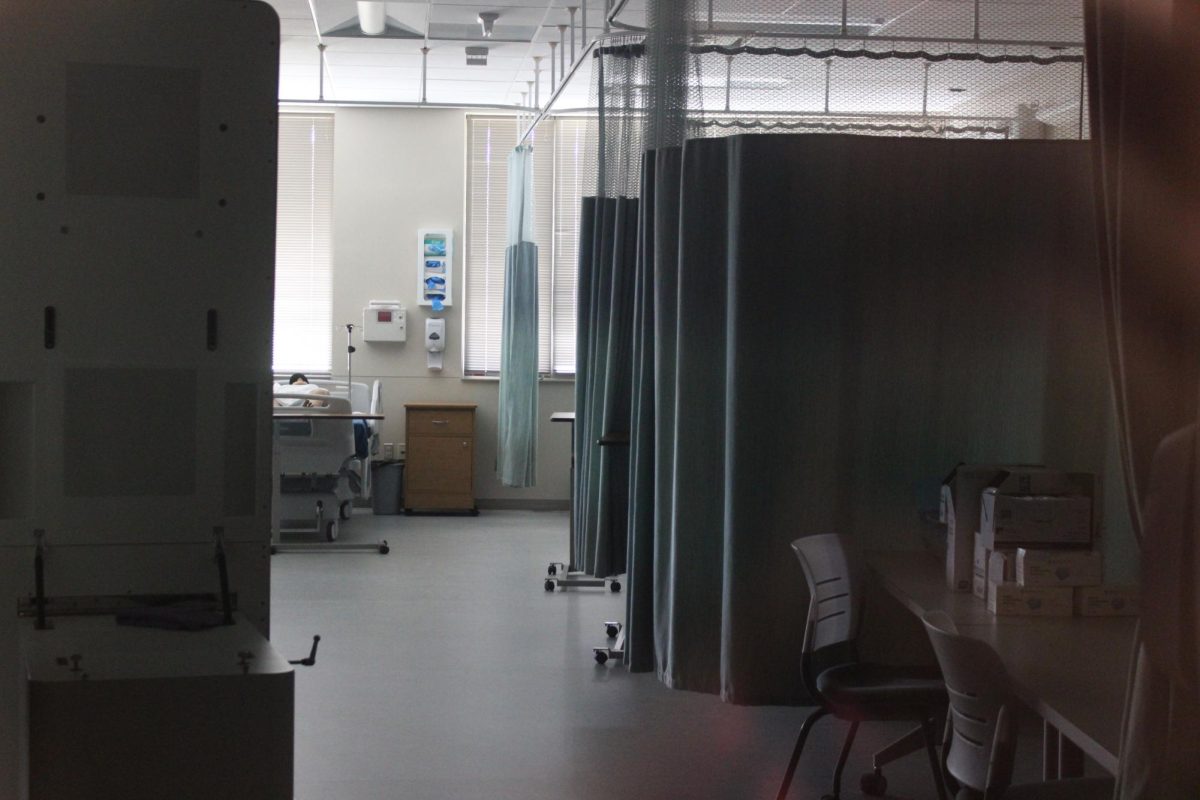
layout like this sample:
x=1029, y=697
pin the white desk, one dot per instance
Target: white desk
x=1072, y=671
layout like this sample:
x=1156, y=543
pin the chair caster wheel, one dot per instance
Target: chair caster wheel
x=549, y=586
x=615, y=586
x=612, y=629
x=384, y=549
x=552, y=570
x=873, y=784
x=601, y=657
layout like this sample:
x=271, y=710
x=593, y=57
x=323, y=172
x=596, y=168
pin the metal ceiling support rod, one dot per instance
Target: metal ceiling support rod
x=562, y=85
x=925, y=92
x=710, y=14
x=321, y=70
x=607, y=10
x=537, y=81
x=748, y=31
x=553, y=67
x=583, y=35
x=571, y=10
x=393, y=104
x=424, y=73
x=828, y=71
x=845, y=17
x=976, y=36
x=562, y=54
x=728, y=79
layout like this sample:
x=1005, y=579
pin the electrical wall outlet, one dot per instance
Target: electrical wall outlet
x=400, y=451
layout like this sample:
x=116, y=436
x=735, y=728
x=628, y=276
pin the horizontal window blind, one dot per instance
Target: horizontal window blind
x=557, y=180
x=304, y=245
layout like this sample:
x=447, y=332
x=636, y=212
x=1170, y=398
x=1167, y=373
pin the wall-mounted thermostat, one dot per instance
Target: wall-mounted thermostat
x=383, y=321
x=435, y=265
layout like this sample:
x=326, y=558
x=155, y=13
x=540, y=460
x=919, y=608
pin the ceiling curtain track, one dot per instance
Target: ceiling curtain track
x=1144, y=76
x=516, y=423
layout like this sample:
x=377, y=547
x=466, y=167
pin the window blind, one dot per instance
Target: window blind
x=304, y=245
x=557, y=184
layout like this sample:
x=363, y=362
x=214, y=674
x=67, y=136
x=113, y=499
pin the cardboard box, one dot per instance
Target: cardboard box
x=1011, y=600
x=1037, y=507
x=1001, y=569
x=1106, y=601
x=979, y=569
x=1059, y=567
x=959, y=509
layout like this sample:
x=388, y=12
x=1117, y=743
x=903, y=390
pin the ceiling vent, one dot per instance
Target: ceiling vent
x=477, y=56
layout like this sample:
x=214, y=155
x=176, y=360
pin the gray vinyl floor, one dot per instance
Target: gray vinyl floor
x=447, y=671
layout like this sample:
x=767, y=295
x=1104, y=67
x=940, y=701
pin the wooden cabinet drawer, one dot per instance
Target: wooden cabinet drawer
x=438, y=422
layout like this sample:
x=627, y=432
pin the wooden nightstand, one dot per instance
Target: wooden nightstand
x=439, y=469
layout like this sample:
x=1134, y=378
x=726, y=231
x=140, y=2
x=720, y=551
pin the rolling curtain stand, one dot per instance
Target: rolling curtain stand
x=1144, y=80
x=607, y=261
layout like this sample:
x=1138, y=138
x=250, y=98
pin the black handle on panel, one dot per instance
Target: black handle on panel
x=49, y=327
x=212, y=329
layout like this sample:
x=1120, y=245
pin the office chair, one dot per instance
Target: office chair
x=850, y=689
x=981, y=729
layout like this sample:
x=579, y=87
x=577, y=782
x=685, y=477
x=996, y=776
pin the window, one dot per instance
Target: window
x=304, y=245
x=559, y=148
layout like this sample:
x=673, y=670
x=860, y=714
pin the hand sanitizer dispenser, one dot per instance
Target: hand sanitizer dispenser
x=435, y=342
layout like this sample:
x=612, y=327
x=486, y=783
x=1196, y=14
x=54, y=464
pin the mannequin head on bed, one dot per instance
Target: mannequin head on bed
x=298, y=383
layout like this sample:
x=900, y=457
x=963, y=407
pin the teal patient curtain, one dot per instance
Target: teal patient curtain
x=517, y=419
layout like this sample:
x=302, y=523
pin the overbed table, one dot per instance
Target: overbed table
x=1072, y=671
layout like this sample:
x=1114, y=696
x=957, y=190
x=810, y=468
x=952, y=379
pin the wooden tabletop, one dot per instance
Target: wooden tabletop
x=1072, y=670
x=438, y=406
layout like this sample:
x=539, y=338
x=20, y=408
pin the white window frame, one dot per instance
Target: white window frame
x=556, y=211
x=303, y=322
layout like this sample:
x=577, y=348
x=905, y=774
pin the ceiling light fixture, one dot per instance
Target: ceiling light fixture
x=487, y=19
x=372, y=17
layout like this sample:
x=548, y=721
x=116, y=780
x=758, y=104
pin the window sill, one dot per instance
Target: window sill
x=496, y=379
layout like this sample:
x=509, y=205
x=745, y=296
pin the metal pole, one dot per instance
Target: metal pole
x=424, y=73
x=976, y=35
x=728, y=79
x=710, y=14
x=583, y=34
x=925, y=93
x=537, y=81
x=562, y=54
x=828, y=70
x=845, y=17
x=571, y=10
x=553, y=67
x=607, y=6
x=321, y=69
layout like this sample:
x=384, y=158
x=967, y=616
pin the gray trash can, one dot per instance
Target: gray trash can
x=387, y=489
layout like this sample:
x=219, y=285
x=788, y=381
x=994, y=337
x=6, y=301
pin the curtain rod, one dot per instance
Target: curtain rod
x=751, y=33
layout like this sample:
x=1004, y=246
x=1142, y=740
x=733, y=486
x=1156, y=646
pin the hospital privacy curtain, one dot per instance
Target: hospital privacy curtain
x=835, y=321
x=303, y=333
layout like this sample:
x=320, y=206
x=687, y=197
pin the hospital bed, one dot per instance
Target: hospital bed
x=322, y=458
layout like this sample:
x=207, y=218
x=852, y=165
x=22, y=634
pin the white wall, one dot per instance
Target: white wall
x=395, y=171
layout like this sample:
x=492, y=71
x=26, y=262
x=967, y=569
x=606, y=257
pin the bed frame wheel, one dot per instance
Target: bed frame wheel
x=331, y=531
x=345, y=509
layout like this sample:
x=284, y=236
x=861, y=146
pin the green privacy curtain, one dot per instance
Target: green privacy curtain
x=516, y=453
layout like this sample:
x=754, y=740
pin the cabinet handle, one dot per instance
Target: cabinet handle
x=465, y=444
x=441, y=421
